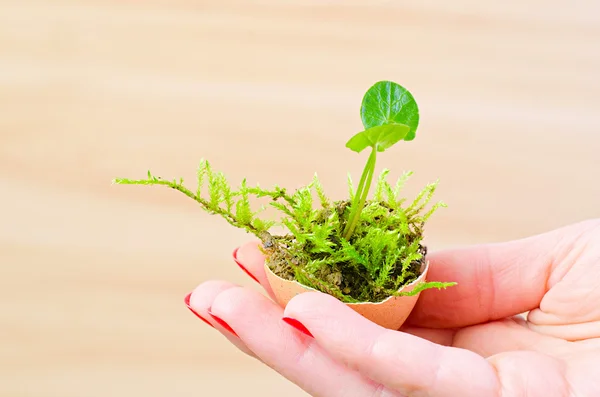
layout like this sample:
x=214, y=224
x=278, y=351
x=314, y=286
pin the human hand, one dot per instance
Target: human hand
x=467, y=340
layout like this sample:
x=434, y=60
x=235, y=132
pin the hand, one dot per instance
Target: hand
x=467, y=340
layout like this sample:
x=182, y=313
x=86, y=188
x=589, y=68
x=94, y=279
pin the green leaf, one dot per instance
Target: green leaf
x=380, y=137
x=386, y=103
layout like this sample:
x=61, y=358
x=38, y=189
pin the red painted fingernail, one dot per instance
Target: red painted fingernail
x=222, y=323
x=298, y=325
x=187, y=303
x=242, y=266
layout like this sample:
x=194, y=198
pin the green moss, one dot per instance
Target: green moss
x=384, y=253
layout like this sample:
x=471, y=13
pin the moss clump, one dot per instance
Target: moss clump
x=384, y=253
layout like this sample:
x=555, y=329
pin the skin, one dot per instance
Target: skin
x=471, y=340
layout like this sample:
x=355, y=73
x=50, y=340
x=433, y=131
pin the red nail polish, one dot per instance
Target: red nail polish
x=187, y=303
x=222, y=323
x=242, y=266
x=298, y=325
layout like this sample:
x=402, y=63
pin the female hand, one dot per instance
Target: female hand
x=467, y=340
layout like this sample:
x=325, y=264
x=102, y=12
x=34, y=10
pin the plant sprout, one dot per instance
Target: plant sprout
x=356, y=249
x=389, y=114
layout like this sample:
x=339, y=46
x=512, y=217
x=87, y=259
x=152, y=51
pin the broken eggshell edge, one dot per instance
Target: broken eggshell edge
x=390, y=313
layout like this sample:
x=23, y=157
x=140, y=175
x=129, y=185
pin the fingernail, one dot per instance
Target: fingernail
x=242, y=266
x=187, y=303
x=222, y=323
x=298, y=325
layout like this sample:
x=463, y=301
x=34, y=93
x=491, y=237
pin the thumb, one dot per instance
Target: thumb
x=495, y=281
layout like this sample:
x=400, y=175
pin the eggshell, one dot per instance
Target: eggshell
x=390, y=313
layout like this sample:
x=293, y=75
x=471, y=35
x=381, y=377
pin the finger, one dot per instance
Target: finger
x=200, y=301
x=252, y=261
x=257, y=321
x=403, y=362
x=495, y=280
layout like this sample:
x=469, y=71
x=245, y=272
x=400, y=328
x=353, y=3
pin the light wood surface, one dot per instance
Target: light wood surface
x=92, y=276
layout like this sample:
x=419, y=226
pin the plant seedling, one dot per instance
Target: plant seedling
x=357, y=249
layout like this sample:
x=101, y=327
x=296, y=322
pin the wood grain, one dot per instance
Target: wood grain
x=93, y=275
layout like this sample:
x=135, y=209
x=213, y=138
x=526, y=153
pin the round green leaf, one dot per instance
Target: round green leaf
x=389, y=103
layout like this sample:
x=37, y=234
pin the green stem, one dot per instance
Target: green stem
x=361, y=195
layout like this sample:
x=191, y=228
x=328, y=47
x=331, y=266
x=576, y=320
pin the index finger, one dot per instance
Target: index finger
x=403, y=362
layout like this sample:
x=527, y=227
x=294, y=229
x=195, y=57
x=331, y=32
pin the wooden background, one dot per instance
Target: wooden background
x=93, y=275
